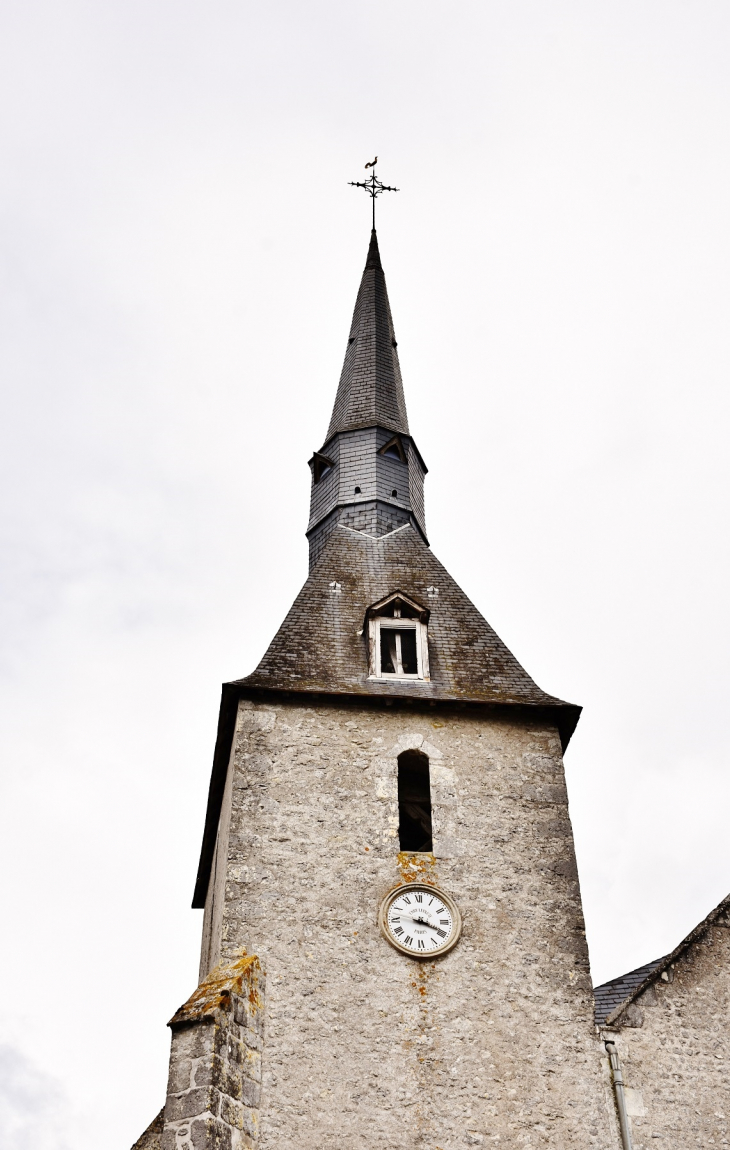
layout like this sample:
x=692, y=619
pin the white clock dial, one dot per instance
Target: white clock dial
x=420, y=920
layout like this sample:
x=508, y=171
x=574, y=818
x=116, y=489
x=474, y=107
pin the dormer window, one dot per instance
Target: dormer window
x=394, y=449
x=398, y=637
x=320, y=465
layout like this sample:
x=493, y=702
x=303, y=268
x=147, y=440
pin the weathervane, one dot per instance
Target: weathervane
x=373, y=186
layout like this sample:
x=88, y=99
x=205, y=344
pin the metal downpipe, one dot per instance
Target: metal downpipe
x=618, y=1086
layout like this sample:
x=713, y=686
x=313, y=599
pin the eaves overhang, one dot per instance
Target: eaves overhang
x=564, y=716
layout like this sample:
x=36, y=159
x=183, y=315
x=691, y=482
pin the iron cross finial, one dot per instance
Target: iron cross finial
x=373, y=186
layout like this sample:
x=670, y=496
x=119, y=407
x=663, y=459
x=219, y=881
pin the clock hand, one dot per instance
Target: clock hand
x=419, y=916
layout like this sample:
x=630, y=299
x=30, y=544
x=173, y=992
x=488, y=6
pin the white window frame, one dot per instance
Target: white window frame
x=394, y=623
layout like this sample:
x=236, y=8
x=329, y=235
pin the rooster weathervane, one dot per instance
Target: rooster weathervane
x=373, y=186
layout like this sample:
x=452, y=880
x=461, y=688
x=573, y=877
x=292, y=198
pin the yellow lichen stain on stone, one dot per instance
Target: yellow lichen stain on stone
x=417, y=868
x=216, y=990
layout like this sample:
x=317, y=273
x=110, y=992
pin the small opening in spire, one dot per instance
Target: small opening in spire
x=394, y=449
x=357, y=490
x=394, y=493
x=320, y=465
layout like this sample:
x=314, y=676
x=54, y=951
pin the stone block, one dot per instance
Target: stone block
x=209, y=1071
x=193, y=1039
x=180, y=1074
x=197, y=1101
x=169, y=1140
x=253, y=1040
x=250, y=1093
x=231, y=1112
x=250, y=1123
x=235, y=1050
x=231, y=1081
x=210, y=1134
x=249, y=1015
x=252, y=1065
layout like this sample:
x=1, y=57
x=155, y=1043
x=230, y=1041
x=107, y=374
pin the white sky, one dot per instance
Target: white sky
x=181, y=254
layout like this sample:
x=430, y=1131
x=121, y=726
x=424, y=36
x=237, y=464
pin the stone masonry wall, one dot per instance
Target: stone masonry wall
x=675, y=1052
x=493, y=1044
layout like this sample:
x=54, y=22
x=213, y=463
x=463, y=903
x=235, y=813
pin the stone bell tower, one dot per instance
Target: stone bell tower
x=387, y=738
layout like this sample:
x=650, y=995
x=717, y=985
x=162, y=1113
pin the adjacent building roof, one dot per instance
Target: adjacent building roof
x=612, y=994
x=612, y=998
x=370, y=393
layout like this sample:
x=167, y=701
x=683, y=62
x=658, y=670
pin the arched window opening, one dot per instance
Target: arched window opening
x=414, y=802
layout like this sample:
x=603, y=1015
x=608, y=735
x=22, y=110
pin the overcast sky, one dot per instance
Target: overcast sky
x=181, y=254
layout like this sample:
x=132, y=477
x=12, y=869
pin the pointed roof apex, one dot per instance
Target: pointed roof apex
x=373, y=260
x=370, y=393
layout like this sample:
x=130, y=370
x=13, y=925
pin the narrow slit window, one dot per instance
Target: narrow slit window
x=414, y=802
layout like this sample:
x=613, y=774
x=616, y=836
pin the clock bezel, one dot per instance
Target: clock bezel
x=397, y=891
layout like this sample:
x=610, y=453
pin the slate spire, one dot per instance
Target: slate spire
x=368, y=473
x=370, y=392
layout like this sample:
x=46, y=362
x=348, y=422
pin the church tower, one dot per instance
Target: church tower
x=393, y=946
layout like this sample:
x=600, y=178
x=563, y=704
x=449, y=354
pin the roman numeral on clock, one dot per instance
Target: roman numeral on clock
x=419, y=898
x=398, y=930
x=408, y=940
x=444, y=921
x=440, y=933
x=421, y=944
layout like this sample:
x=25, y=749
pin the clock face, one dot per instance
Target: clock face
x=420, y=920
